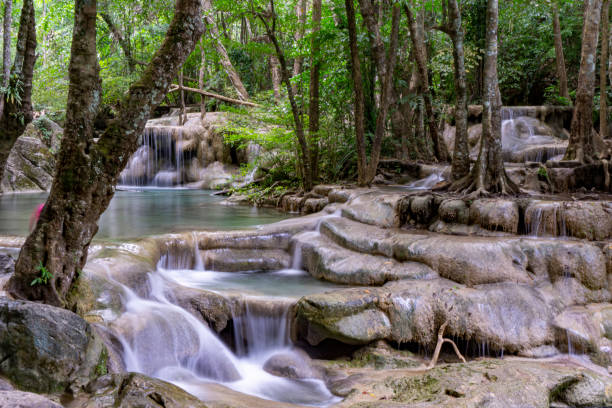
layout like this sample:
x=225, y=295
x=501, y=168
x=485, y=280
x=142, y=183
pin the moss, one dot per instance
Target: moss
x=415, y=389
x=102, y=361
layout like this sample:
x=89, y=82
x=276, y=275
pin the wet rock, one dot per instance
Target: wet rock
x=238, y=260
x=137, y=390
x=47, y=349
x=583, y=390
x=313, y=205
x=359, y=237
x=422, y=209
x=7, y=264
x=213, y=308
x=293, y=364
x=31, y=163
x=19, y=399
x=325, y=260
x=375, y=209
x=381, y=355
x=495, y=215
x=454, y=211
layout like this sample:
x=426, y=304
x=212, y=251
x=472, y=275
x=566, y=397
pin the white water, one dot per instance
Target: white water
x=430, y=181
x=163, y=340
x=521, y=132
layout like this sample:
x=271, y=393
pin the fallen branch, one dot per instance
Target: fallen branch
x=441, y=341
x=174, y=88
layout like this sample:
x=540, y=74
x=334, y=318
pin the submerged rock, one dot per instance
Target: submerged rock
x=293, y=364
x=47, y=349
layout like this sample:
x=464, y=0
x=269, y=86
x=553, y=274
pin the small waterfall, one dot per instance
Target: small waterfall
x=430, y=181
x=158, y=161
x=545, y=219
x=260, y=333
x=198, y=262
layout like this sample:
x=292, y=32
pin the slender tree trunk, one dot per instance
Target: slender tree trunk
x=276, y=77
x=6, y=54
x=313, y=105
x=461, y=155
x=560, y=58
x=124, y=42
x=223, y=56
x=182, y=117
x=201, y=81
x=581, y=143
x=300, y=11
x=385, y=96
x=408, y=117
x=417, y=35
x=603, y=75
x=305, y=158
x=359, y=95
x=16, y=115
x=488, y=174
x=87, y=171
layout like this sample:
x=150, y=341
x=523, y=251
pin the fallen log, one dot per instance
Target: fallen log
x=174, y=88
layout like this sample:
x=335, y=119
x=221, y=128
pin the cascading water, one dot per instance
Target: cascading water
x=158, y=161
x=545, y=219
x=430, y=181
x=161, y=339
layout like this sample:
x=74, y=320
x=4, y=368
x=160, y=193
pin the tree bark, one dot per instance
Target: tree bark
x=603, y=75
x=6, y=53
x=201, y=81
x=124, y=43
x=489, y=174
x=17, y=114
x=385, y=96
x=305, y=158
x=359, y=94
x=300, y=11
x=560, y=58
x=313, y=105
x=582, y=139
x=461, y=156
x=223, y=56
x=417, y=31
x=175, y=88
x=182, y=117
x=87, y=171
x=276, y=77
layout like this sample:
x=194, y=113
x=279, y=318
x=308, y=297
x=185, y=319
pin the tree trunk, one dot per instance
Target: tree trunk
x=417, y=32
x=182, y=115
x=276, y=77
x=313, y=105
x=201, y=81
x=560, y=58
x=223, y=56
x=359, y=96
x=488, y=174
x=461, y=156
x=300, y=11
x=124, y=43
x=603, y=75
x=6, y=54
x=305, y=158
x=87, y=171
x=385, y=96
x=582, y=139
x=16, y=115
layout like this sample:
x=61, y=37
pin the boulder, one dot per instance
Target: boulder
x=20, y=399
x=47, y=349
x=454, y=211
x=374, y=209
x=7, y=264
x=294, y=364
x=495, y=215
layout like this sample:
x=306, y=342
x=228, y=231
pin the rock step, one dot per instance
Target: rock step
x=475, y=260
x=324, y=259
x=243, y=260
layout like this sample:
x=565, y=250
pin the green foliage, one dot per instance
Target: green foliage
x=44, y=277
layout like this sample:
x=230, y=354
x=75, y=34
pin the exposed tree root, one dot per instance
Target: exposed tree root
x=441, y=341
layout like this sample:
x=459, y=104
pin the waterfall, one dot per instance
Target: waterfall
x=158, y=161
x=430, y=181
x=545, y=219
x=260, y=333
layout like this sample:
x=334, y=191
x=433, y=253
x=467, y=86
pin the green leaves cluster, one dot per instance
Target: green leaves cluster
x=44, y=277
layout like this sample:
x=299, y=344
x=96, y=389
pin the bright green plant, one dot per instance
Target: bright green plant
x=44, y=277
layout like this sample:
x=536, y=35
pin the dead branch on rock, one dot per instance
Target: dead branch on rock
x=441, y=341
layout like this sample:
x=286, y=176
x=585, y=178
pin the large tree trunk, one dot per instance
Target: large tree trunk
x=276, y=77
x=582, y=136
x=417, y=32
x=359, y=94
x=16, y=115
x=6, y=53
x=560, y=58
x=313, y=105
x=87, y=171
x=461, y=155
x=305, y=158
x=385, y=96
x=488, y=174
x=223, y=56
x=603, y=78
